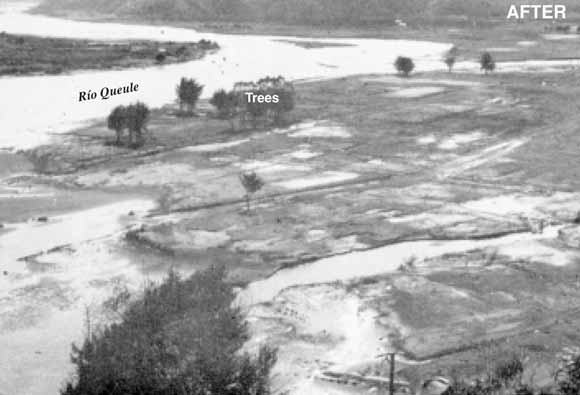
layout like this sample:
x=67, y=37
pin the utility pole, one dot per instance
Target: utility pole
x=391, y=357
x=392, y=374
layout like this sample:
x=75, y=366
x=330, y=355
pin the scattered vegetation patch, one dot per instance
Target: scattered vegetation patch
x=28, y=54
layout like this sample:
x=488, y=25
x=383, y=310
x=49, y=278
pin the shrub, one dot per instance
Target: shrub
x=570, y=384
x=507, y=371
x=181, y=337
x=404, y=65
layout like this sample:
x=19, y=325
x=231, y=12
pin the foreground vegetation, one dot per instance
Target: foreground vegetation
x=28, y=54
x=506, y=378
x=182, y=337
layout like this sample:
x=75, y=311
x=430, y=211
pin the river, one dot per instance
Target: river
x=42, y=304
x=34, y=107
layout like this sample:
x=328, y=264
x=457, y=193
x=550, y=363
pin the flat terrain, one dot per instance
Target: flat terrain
x=37, y=55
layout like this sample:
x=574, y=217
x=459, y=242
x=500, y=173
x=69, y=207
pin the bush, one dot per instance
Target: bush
x=404, y=65
x=570, y=384
x=181, y=337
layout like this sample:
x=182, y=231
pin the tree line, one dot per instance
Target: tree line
x=232, y=105
x=405, y=65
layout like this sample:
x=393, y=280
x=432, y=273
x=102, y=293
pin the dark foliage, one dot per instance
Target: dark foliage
x=188, y=92
x=29, y=54
x=569, y=384
x=134, y=118
x=487, y=63
x=180, y=338
x=404, y=65
x=252, y=183
x=234, y=104
x=450, y=62
x=116, y=122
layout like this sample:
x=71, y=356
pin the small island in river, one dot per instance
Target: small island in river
x=20, y=54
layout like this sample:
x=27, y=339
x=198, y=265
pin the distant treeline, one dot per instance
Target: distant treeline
x=21, y=54
x=320, y=12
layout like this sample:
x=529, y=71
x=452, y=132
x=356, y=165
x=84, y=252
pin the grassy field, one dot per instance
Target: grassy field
x=36, y=55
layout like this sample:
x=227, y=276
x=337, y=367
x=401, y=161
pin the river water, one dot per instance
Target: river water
x=34, y=107
x=42, y=304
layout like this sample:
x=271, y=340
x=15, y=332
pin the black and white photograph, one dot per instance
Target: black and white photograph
x=289, y=197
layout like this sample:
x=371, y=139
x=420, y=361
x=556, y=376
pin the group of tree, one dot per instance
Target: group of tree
x=181, y=337
x=133, y=118
x=237, y=105
x=405, y=65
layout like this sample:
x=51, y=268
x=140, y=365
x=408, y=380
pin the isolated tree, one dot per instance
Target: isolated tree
x=227, y=104
x=188, y=93
x=252, y=183
x=117, y=122
x=404, y=65
x=450, y=62
x=137, y=116
x=487, y=63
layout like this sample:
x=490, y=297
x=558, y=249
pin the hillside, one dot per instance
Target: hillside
x=323, y=12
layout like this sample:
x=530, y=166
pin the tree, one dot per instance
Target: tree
x=137, y=116
x=404, y=65
x=227, y=104
x=181, y=337
x=160, y=57
x=450, y=62
x=188, y=93
x=487, y=63
x=252, y=183
x=117, y=122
